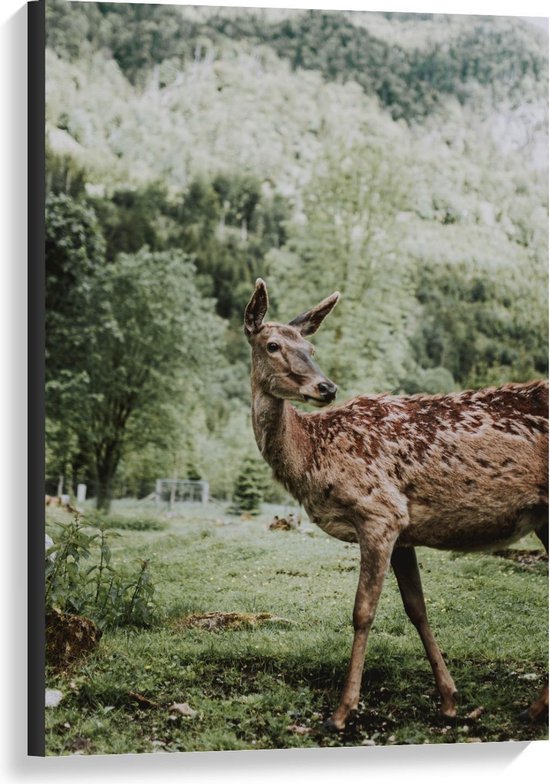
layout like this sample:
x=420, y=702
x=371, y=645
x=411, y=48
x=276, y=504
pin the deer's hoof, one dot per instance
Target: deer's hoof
x=448, y=706
x=530, y=717
x=333, y=726
x=448, y=711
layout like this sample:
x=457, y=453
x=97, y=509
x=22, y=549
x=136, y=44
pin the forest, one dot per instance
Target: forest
x=401, y=159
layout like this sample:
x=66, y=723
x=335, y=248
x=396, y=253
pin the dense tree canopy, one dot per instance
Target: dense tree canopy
x=401, y=159
x=127, y=341
x=410, y=84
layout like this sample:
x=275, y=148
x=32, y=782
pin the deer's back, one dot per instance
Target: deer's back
x=472, y=467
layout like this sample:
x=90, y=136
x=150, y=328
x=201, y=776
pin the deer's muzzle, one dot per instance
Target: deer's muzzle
x=323, y=394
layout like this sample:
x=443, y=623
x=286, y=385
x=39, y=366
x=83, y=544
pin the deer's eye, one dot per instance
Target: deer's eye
x=272, y=347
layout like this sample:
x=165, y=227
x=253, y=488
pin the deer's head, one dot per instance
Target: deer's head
x=282, y=358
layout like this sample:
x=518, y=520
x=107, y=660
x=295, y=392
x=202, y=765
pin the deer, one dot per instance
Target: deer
x=464, y=471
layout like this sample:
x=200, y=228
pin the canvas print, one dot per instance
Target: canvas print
x=296, y=480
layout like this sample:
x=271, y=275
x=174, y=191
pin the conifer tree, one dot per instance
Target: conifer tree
x=249, y=487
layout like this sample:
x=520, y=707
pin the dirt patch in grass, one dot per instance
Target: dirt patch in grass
x=69, y=638
x=523, y=557
x=218, y=621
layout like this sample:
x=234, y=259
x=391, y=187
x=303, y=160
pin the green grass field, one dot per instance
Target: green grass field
x=272, y=685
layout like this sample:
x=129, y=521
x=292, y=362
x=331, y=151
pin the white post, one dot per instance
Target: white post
x=80, y=494
x=205, y=488
x=172, y=493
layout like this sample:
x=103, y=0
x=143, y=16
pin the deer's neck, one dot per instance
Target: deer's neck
x=282, y=439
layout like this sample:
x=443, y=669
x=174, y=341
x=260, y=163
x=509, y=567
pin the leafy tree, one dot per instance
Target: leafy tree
x=474, y=326
x=249, y=487
x=132, y=218
x=158, y=345
x=75, y=251
x=149, y=339
x=64, y=175
x=75, y=254
x=348, y=243
x=70, y=27
x=228, y=226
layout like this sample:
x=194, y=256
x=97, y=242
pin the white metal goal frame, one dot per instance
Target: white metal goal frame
x=173, y=491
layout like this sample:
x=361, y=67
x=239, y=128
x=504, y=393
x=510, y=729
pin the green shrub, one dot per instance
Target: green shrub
x=133, y=523
x=81, y=579
x=136, y=523
x=250, y=487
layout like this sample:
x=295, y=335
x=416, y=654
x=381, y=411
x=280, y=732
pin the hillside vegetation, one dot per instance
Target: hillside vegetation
x=401, y=159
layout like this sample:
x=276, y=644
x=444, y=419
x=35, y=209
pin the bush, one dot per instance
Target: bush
x=80, y=579
x=250, y=487
x=135, y=523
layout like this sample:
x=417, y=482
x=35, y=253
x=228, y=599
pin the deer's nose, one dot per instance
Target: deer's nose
x=327, y=390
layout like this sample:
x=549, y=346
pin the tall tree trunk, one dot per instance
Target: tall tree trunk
x=107, y=460
x=104, y=494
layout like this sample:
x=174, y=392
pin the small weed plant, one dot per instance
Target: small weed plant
x=82, y=580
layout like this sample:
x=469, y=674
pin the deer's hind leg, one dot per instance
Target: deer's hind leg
x=539, y=708
x=542, y=534
x=406, y=571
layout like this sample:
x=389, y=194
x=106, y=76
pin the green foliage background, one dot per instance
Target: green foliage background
x=399, y=158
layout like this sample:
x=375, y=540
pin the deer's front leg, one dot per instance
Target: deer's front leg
x=375, y=559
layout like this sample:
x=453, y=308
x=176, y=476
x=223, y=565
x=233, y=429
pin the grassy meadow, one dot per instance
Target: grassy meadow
x=174, y=687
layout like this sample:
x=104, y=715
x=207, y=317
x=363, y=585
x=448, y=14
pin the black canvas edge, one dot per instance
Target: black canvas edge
x=36, y=368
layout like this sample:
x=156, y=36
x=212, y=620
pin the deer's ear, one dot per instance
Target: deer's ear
x=309, y=322
x=256, y=309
